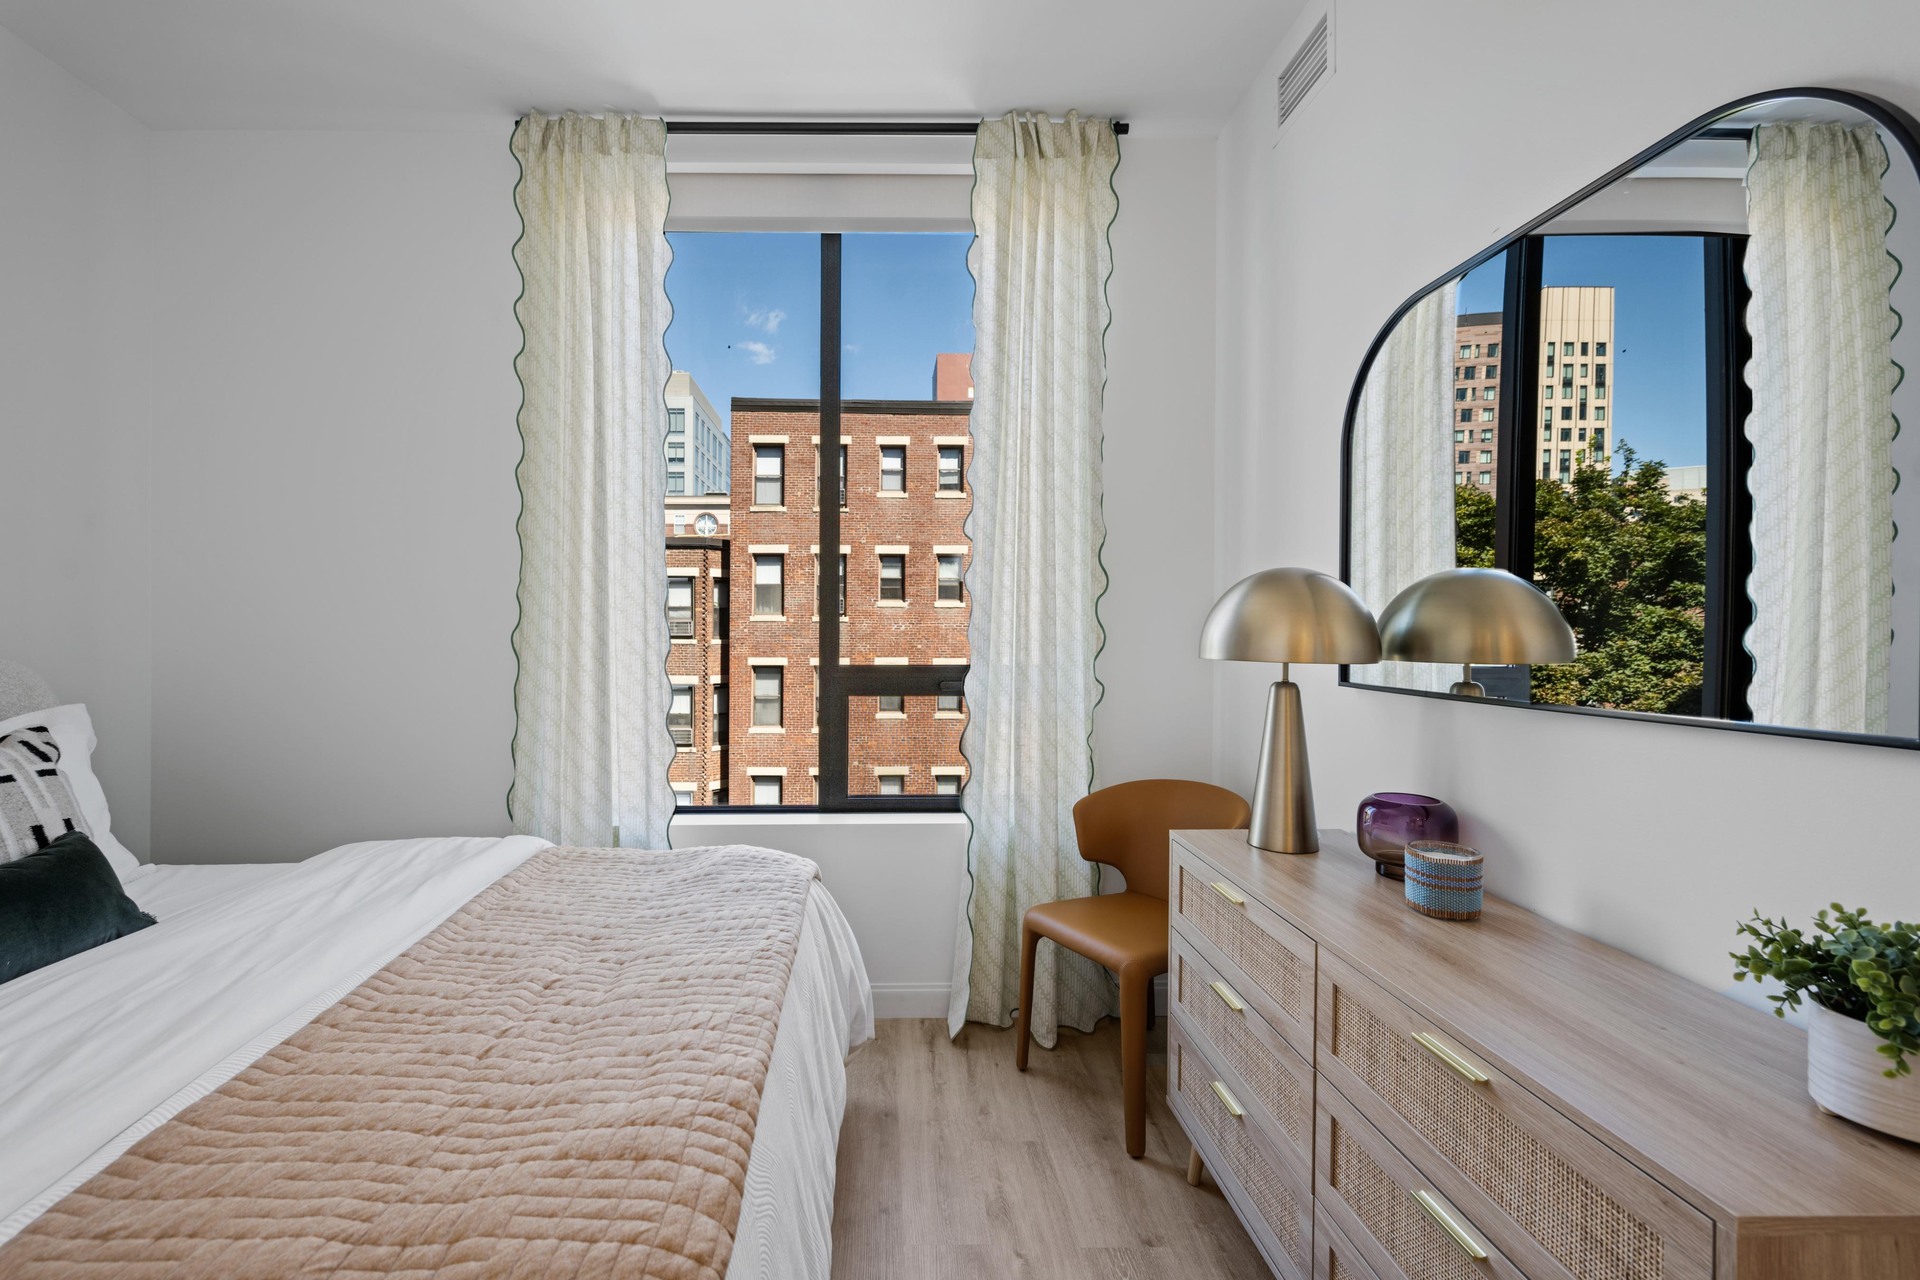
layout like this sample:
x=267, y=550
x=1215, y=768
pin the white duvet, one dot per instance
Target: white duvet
x=102, y=1048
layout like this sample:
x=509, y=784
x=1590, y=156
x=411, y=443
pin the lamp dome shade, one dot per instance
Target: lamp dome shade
x=1475, y=616
x=1290, y=615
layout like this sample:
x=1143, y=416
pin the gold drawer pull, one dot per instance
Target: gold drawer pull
x=1232, y=1104
x=1440, y=1213
x=1228, y=996
x=1448, y=1054
x=1225, y=890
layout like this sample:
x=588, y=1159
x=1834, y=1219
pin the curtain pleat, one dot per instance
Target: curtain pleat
x=1042, y=204
x=591, y=746
x=1822, y=426
x=1402, y=461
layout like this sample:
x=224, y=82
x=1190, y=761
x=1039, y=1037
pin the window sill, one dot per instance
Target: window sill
x=949, y=604
x=889, y=715
x=951, y=493
x=767, y=728
x=766, y=617
x=682, y=640
x=890, y=493
x=889, y=604
x=949, y=715
x=757, y=507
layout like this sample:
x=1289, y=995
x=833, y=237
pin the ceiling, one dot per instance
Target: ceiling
x=409, y=64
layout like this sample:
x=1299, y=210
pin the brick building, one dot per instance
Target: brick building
x=1576, y=328
x=697, y=623
x=1476, y=388
x=903, y=552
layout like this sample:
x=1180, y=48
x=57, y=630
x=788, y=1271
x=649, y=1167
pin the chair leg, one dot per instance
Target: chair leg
x=1023, y=1020
x=1136, y=993
x=1194, y=1166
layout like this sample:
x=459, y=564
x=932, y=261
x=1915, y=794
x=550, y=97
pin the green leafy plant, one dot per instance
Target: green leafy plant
x=1849, y=965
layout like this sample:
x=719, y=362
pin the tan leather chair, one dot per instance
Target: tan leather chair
x=1125, y=826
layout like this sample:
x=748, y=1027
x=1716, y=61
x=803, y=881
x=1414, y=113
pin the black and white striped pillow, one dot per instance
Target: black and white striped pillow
x=37, y=806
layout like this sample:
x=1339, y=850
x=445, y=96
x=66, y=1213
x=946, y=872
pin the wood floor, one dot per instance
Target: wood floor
x=953, y=1164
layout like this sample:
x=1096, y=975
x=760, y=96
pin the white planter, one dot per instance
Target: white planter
x=1844, y=1075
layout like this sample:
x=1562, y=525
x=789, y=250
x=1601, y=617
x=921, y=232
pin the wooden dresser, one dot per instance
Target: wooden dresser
x=1383, y=1096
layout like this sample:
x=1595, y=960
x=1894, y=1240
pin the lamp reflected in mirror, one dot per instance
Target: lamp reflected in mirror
x=1475, y=617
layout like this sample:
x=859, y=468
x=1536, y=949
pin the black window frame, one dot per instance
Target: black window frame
x=1727, y=667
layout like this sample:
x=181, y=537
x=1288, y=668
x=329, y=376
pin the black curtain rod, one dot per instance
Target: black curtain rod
x=873, y=128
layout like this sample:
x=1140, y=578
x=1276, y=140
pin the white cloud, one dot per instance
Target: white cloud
x=768, y=320
x=759, y=351
x=853, y=348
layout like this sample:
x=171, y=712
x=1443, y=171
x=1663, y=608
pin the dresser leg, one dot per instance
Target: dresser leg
x=1193, y=1166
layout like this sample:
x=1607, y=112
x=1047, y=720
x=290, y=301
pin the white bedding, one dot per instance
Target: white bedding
x=100, y=1049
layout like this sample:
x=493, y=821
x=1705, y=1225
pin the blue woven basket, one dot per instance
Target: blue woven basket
x=1443, y=880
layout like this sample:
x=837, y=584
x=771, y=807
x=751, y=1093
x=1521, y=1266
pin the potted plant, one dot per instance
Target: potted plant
x=1863, y=980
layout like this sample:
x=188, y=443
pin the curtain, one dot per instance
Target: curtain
x=1402, y=483
x=1822, y=426
x=590, y=745
x=1043, y=201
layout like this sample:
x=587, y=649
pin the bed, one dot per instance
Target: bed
x=248, y=964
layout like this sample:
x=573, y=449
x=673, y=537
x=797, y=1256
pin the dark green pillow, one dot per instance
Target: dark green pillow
x=59, y=901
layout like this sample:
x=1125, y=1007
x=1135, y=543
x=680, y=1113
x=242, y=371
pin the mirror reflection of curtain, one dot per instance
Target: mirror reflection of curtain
x=1403, y=469
x=1822, y=426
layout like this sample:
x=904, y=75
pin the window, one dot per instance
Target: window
x=1566, y=348
x=948, y=703
x=1466, y=351
x=1599, y=413
x=1493, y=352
x=892, y=704
x=769, y=475
x=676, y=482
x=1459, y=393
x=1459, y=477
x=768, y=688
x=1466, y=455
x=719, y=717
x=1459, y=437
x=949, y=576
x=1493, y=371
x=1547, y=414
x=1599, y=348
x=843, y=584
x=676, y=421
x=1583, y=351
x=1487, y=415
x=1486, y=477
x=1566, y=413
x=676, y=451
x=1583, y=433
x=1487, y=393
x=680, y=608
x=843, y=473
x=1486, y=435
x=893, y=577
x=1466, y=415
x=1566, y=433
x=950, y=468
x=892, y=784
x=680, y=716
x=766, y=788
x=1486, y=456
x=893, y=468
x=769, y=591
x=1470, y=372
x=946, y=783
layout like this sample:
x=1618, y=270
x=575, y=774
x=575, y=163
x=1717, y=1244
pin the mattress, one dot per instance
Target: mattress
x=108, y=1045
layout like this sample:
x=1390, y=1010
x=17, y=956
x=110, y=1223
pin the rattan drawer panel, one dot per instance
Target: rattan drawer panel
x=1242, y=1160
x=1277, y=1080
x=1368, y=1190
x=1334, y=1256
x=1557, y=1200
x=1268, y=960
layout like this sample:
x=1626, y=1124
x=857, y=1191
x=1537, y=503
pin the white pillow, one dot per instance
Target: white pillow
x=72, y=731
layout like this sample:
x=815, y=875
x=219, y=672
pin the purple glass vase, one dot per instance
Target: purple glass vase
x=1388, y=820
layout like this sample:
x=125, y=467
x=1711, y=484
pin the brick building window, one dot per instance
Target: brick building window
x=949, y=577
x=680, y=716
x=769, y=475
x=946, y=782
x=893, y=577
x=680, y=608
x=893, y=468
x=948, y=703
x=891, y=781
x=766, y=788
x=768, y=687
x=769, y=587
x=719, y=717
x=951, y=460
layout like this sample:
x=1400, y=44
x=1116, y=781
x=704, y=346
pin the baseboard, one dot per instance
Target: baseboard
x=909, y=1000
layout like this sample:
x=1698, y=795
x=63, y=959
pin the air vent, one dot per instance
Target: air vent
x=1305, y=69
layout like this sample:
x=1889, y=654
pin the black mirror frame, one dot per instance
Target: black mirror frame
x=1901, y=126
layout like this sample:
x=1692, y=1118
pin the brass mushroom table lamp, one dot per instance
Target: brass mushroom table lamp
x=1470, y=616
x=1287, y=616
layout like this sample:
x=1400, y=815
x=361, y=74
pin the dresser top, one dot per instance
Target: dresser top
x=1702, y=1092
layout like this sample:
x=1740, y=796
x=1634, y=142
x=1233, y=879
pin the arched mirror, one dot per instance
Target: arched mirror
x=1673, y=403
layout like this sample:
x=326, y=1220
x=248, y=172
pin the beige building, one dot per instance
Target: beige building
x=699, y=455
x=1574, y=394
x=1576, y=383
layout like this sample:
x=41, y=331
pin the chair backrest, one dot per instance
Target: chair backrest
x=1126, y=825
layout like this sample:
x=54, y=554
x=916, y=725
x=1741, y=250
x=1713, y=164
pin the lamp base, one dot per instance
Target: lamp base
x=1282, y=790
x=1466, y=686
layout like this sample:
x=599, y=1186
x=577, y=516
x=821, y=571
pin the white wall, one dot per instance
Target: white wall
x=1416, y=154
x=74, y=433
x=335, y=558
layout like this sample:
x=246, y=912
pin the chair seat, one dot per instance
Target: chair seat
x=1118, y=930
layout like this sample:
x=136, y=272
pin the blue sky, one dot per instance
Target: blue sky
x=1659, y=392
x=746, y=312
